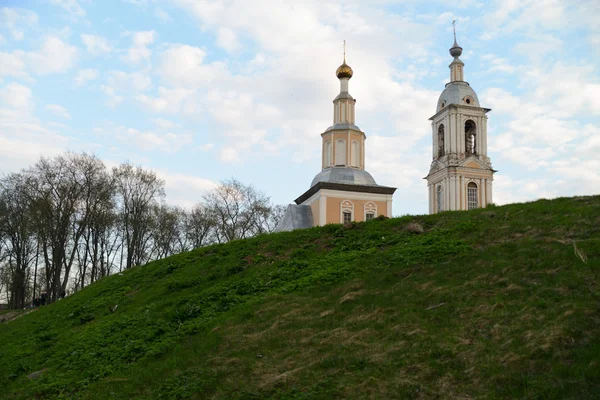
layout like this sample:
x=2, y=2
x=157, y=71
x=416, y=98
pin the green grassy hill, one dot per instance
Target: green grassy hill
x=502, y=302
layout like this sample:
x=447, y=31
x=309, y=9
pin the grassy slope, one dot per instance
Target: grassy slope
x=486, y=304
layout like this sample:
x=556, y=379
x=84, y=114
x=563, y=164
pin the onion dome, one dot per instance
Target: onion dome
x=455, y=50
x=344, y=71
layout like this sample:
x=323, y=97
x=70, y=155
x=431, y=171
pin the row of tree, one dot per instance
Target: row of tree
x=68, y=221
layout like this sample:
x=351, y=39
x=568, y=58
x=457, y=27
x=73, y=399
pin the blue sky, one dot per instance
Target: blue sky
x=202, y=91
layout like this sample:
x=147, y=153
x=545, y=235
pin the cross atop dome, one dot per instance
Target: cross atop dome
x=455, y=50
x=344, y=71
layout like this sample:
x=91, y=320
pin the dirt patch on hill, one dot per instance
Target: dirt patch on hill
x=9, y=316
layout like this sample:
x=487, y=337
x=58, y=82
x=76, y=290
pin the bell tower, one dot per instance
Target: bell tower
x=461, y=174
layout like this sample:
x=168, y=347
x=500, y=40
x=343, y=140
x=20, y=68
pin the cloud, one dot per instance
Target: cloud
x=16, y=96
x=162, y=15
x=53, y=56
x=227, y=39
x=24, y=137
x=168, y=100
x=13, y=64
x=139, y=50
x=95, y=44
x=119, y=83
x=164, y=124
x=229, y=155
x=168, y=142
x=15, y=20
x=185, y=190
x=58, y=110
x=113, y=98
x=70, y=6
x=85, y=75
x=182, y=66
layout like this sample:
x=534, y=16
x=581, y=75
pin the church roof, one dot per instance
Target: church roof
x=457, y=93
x=347, y=175
x=295, y=217
x=343, y=126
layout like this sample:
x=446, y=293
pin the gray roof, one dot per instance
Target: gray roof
x=343, y=126
x=295, y=217
x=347, y=175
x=455, y=93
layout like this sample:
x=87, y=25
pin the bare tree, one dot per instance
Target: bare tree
x=96, y=213
x=60, y=191
x=267, y=221
x=236, y=209
x=17, y=227
x=82, y=223
x=199, y=227
x=167, y=234
x=137, y=191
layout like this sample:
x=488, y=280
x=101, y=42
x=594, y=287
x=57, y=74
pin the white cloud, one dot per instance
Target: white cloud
x=53, y=56
x=139, y=3
x=168, y=142
x=139, y=50
x=164, y=123
x=16, y=96
x=95, y=44
x=168, y=101
x=182, y=66
x=70, y=6
x=134, y=81
x=206, y=146
x=113, y=98
x=15, y=20
x=58, y=110
x=227, y=39
x=229, y=155
x=12, y=64
x=185, y=190
x=86, y=75
x=162, y=15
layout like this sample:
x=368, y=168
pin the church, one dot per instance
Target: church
x=460, y=176
x=343, y=191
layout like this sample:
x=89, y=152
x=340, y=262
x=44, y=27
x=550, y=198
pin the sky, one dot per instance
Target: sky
x=202, y=91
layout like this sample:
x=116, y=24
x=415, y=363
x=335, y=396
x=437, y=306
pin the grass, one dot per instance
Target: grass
x=496, y=303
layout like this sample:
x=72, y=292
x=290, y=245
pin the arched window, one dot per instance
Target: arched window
x=355, y=154
x=441, y=140
x=370, y=211
x=347, y=212
x=327, y=155
x=470, y=137
x=440, y=198
x=340, y=152
x=472, y=196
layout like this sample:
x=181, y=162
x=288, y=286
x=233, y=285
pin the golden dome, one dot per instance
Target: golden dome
x=344, y=71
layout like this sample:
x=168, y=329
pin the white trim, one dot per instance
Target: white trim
x=345, y=206
x=327, y=154
x=355, y=195
x=478, y=187
x=342, y=157
x=353, y=154
x=372, y=208
x=322, y=210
